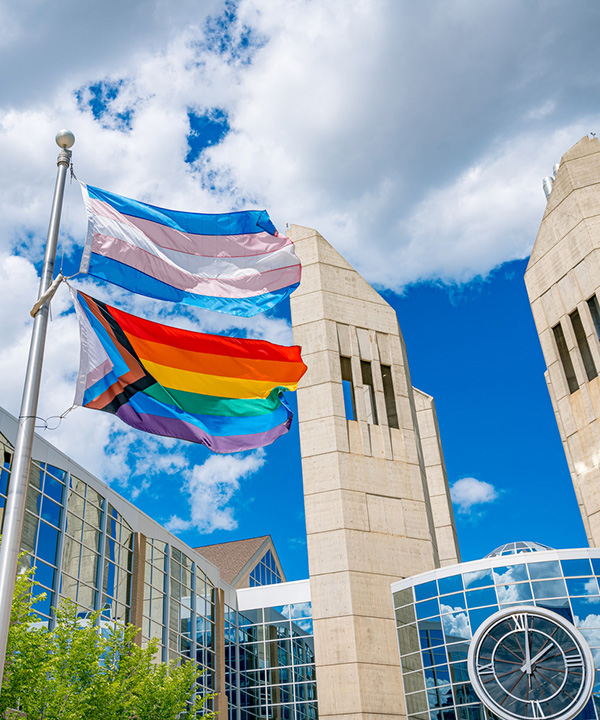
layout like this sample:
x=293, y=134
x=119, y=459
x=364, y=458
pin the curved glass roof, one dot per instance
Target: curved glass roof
x=516, y=548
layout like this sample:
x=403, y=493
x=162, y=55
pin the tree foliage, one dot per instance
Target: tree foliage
x=90, y=670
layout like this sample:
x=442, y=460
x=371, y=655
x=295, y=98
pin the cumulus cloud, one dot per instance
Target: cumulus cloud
x=210, y=487
x=394, y=143
x=415, y=161
x=456, y=623
x=469, y=492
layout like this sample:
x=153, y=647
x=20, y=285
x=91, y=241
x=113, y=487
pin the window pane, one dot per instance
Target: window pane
x=47, y=542
x=93, y=497
x=582, y=586
x=549, y=589
x=29, y=533
x=93, y=514
x=510, y=574
x=86, y=596
x=110, y=572
x=456, y=627
x=3, y=482
x=36, y=476
x=453, y=603
x=586, y=614
x=542, y=570
x=91, y=536
x=478, y=616
x=53, y=488
x=427, y=608
x=451, y=584
x=480, y=578
x=44, y=574
x=34, y=501
x=480, y=598
x=74, y=526
x=573, y=568
x=51, y=511
x=512, y=594
x=426, y=590
x=89, y=566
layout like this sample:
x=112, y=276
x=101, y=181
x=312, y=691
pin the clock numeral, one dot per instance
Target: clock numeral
x=536, y=709
x=486, y=669
x=574, y=661
x=520, y=622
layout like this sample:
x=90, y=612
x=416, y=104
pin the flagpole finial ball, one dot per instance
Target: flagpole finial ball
x=65, y=139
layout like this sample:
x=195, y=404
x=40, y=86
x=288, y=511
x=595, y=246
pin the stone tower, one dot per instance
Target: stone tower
x=563, y=282
x=375, y=488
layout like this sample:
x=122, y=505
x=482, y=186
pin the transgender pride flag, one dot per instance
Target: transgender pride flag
x=234, y=262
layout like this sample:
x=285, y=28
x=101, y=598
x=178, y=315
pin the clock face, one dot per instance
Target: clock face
x=527, y=662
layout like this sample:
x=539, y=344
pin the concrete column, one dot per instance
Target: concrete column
x=137, y=584
x=563, y=278
x=218, y=648
x=369, y=519
x=437, y=480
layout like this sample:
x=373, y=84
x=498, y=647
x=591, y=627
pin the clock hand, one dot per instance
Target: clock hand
x=527, y=665
x=534, y=660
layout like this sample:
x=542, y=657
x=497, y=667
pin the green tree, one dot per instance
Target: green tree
x=90, y=670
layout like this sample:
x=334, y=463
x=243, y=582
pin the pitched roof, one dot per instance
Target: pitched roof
x=232, y=557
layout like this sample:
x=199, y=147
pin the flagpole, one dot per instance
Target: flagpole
x=14, y=514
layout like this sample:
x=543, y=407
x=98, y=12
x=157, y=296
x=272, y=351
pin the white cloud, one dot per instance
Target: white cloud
x=456, y=624
x=414, y=160
x=211, y=486
x=469, y=491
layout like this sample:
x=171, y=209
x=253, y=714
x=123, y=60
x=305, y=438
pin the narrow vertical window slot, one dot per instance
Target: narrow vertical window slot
x=565, y=358
x=584, y=348
x=390, y=396
x=367, y=381
x=348, y=388
x=595, y=313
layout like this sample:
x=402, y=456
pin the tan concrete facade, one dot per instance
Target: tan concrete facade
x=437, y=480
x=375, y=487
x=563, y=282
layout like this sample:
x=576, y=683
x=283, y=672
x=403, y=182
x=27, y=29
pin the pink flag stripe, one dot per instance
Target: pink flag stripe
x=243, y=285
x=219, y=267
x=202, y=245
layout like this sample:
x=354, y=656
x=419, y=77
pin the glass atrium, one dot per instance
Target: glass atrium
x=438, y=612
x=90, y=545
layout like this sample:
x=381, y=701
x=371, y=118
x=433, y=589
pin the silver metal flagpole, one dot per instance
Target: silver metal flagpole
x=14, y=514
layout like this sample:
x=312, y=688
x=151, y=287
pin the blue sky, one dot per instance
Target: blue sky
x=484, y=366
x=414, y=138
x=475, y=349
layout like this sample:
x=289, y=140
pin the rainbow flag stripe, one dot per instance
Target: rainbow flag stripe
x=234, y=262
x=223, y=392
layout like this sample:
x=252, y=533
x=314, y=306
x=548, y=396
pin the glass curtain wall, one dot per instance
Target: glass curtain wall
x=436, y=620
x=179, y=608
x=80, y=547
x=265, y=572
x=271, y=664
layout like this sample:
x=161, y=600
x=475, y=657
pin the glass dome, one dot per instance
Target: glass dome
x=516, y=548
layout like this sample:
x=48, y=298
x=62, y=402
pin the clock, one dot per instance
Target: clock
x=528, y=662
